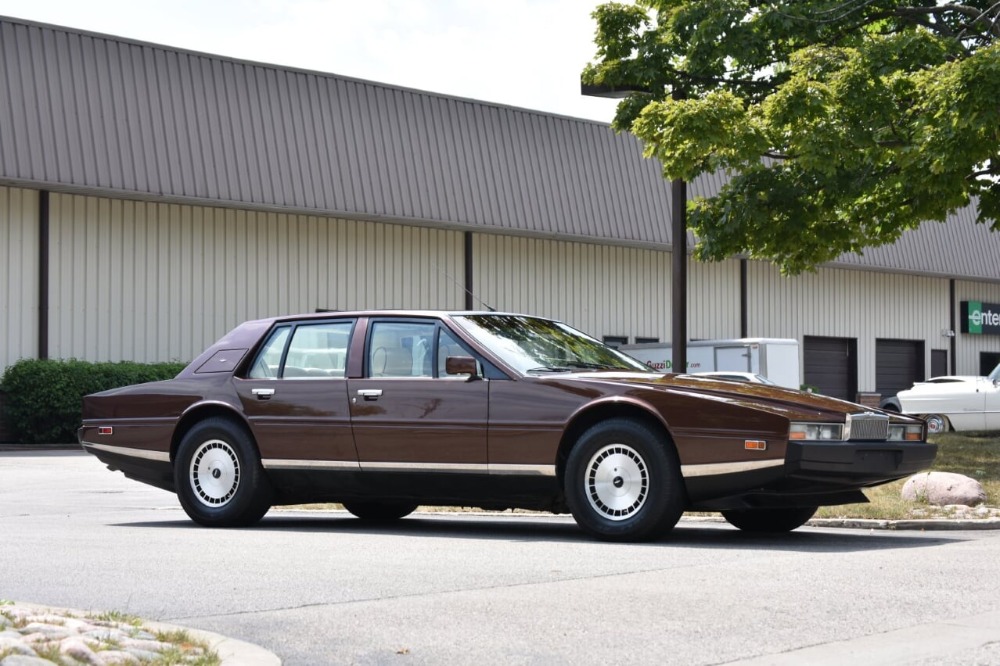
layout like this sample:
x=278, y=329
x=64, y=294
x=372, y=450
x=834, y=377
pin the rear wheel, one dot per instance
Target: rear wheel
x=218, y=475
x=380, y=512
x=623, y=482
x=936, y=424
x=770, y=520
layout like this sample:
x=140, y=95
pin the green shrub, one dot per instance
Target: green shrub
x=44, y=397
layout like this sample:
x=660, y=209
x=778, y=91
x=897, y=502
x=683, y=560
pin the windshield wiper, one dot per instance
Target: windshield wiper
x=572, y=366
x=586, y=365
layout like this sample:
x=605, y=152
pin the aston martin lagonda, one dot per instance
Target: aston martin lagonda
x=384, y=411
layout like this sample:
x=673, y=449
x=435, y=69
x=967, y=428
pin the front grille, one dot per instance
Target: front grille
x=867, y=426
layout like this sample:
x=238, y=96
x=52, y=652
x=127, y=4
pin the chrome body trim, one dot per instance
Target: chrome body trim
x=283, y=463
x=718, y=469
x=460, y=468
x=468, y=468
x=158, y=456
x=523, y=470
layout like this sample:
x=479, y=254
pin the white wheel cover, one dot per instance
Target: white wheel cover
x=616, y=482
x=214, y=473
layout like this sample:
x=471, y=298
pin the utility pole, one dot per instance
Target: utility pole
x=678, y=243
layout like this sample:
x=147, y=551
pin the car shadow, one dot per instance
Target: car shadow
x=563, y=529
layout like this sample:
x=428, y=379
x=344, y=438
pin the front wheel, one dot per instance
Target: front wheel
x=936, y=424
x=623, y=482
x=218, y=475
x=380, y=512
x=770, y=520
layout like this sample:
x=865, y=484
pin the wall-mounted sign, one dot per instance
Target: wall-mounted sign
x=979, y=318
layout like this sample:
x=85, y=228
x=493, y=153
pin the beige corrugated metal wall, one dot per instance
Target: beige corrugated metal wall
x=154, y=282
x=713, y=300
x=144, y=281
x=967, y=347
x=18, y=275
x=849, y=304
x=601, y=289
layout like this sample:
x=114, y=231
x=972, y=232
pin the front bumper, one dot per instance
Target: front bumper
x=854, y=463
x=813, y=473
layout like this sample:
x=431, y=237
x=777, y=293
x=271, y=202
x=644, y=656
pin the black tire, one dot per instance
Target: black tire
x=936, y=424
x=771, y=521
x=380, y=512
x=623, y=482
x=218, y=476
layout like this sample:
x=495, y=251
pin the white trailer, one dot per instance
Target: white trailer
x=774, y=358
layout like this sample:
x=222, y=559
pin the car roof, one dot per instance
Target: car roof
x=392, y=313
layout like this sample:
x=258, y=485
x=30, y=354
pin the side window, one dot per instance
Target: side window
x=401, y=349
x=318, y=351
x=269, y=358
x=449, y=346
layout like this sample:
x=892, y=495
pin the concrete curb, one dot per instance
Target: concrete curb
x=921, y=525
x=232, y=652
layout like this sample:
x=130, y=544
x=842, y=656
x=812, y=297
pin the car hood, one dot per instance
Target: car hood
x=938, y=384
x=786, y=402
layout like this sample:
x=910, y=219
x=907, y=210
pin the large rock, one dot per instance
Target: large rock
x=941, y=488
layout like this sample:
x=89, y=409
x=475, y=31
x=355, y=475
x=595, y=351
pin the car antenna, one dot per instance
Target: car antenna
x=466, y=290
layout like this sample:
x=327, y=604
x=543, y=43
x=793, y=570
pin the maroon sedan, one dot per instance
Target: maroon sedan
x=384, y=411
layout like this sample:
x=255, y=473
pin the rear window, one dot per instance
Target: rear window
x=312, y=350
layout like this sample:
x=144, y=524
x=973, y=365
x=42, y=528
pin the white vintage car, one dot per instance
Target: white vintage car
x=955, y=402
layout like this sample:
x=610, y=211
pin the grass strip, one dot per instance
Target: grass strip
x=972, y=454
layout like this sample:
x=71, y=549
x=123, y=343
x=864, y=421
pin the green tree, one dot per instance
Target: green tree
x=842, y=123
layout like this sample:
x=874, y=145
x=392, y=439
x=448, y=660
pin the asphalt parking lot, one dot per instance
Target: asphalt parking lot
x=317, y=588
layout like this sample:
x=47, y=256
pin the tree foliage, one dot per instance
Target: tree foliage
x=842, y=123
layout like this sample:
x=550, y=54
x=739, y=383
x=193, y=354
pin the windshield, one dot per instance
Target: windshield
x=995, y=375
x=532, y=345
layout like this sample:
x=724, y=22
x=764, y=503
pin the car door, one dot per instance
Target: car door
x=408, y=414
x=295, y=396
x=991, y=394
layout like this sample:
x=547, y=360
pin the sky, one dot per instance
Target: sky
x=526, y=53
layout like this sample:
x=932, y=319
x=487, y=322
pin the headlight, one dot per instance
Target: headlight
x=906, y=433
x=817, y=431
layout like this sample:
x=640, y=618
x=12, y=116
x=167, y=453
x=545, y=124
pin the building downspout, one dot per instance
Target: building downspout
x=469, y=291
x=744, y=326
x=953, y=325
x=43, y=274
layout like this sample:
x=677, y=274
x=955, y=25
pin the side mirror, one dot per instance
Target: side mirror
x=461, y=365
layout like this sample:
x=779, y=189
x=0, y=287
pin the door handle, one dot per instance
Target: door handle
x=263, y=393
x=370, y=394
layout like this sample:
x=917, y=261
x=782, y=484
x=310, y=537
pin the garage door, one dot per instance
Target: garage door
x=830, y=366
x=898, y=364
